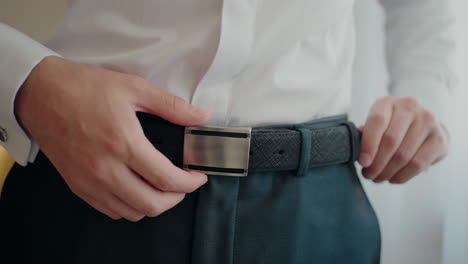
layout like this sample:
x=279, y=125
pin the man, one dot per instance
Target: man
x=282, y=68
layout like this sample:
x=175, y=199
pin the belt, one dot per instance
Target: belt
x=236, y=151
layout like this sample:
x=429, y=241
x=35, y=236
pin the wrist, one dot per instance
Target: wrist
x=25, y=95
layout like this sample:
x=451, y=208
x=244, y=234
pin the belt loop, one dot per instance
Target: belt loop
x=355, y=141
x=306, y=146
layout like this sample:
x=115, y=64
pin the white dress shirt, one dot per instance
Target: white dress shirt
x=250, y=62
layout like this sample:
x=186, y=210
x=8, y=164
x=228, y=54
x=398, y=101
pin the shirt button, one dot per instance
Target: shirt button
x=3, y=135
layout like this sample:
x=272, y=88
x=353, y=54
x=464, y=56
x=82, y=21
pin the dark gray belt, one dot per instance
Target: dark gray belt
x=236, y=151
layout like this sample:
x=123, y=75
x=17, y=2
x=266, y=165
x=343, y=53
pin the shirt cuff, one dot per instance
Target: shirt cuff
x=19, y=55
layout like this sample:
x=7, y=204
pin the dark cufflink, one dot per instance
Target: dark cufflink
x=3, y=135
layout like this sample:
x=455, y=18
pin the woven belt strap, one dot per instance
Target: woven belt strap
x=271, y=148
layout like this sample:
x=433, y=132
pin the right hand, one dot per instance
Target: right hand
x=84, y=120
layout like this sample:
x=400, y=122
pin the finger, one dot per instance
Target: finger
x=376, y=124
x=140, y=195
x=101, y=208
x=392, y=138
x=424, y=157
x=159, y=171
x=413, y=140
x=120, y=207
x=92, y=192
x=170, y=107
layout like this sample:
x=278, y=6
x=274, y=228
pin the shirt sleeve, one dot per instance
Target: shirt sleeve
x=420, y=46
x=19, y=54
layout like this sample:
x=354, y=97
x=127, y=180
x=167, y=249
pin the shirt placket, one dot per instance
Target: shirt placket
x=235, y=44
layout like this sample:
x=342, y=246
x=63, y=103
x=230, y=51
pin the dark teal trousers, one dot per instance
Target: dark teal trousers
x=319, y=216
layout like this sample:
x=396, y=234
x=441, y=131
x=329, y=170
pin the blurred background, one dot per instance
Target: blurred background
x=424, y=221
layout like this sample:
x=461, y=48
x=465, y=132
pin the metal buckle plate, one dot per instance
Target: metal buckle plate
x=217, y=150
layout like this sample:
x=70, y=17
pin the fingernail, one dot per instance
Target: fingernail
x=205, y=179
x=204, y=176
x=365, y=159
x=367, y=174
x=364, y=173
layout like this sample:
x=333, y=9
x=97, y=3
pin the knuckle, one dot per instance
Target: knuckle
x=152, y=210
x=96, y=168
x=104, y=174
x=114, y=143
x=113, y=179
x=377, y=168
x=175, y=103
x=367, y=146
x=99, y=173
x=101, y=178
x=171, y=102
x=383, y=176
x=164, y=184
x=418, y=164
x=409, y=103
x=377, y=118
x=428, y=117
x=390, y=139
x=402, y=156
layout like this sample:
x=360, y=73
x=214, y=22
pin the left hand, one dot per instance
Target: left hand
x=400, y=139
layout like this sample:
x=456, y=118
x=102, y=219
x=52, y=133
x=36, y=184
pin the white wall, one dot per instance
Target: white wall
x=424, y=221
x=37, y=18
x=456, y=226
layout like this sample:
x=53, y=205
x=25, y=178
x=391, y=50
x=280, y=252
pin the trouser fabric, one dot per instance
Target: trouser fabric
x=321, y=215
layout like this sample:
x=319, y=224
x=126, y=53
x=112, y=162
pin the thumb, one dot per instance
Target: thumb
x=170, y=107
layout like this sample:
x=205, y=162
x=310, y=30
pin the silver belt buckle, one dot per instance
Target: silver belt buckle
x=217, y=150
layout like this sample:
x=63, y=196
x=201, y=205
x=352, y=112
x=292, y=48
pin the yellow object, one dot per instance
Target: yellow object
x=6, y=163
